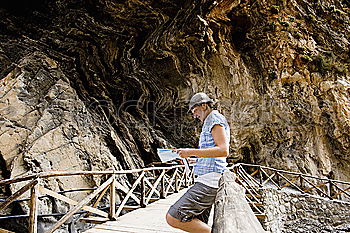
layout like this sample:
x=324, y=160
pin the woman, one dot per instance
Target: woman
x=191, y=212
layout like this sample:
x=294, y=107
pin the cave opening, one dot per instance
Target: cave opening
x=240, y=27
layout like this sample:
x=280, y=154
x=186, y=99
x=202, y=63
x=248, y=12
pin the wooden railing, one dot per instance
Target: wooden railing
x=252, y=188
x=254, y=177
x=150, y=184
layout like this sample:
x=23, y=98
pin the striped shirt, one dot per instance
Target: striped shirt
x=206, y=140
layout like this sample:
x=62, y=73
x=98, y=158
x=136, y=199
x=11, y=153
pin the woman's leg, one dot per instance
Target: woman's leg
x=193, y=226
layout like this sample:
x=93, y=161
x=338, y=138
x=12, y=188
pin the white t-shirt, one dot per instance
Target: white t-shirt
x=210, y=179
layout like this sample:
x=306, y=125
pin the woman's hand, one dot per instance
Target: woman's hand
x=184, y=153
x=192, y=160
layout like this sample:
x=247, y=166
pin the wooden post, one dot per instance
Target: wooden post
x=260, y=175
x=176, y=181
x=33, y=214
x=301, y=182
x=330, y=189
x=143, y=193
x=278, y=179
x=162, y=187
x=112, y=199
x=193, y=176
x=17, y=194
x=232, y=211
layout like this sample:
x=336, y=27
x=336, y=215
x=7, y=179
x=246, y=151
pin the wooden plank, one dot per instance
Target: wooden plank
x=250, y=191
x=232, y=211
x=182, y=178
x=154, y=199
x=258, y=204
x=98, y=199
x=251, y=182
x=94, y=220
x=79, y=173
x=17, y=194
x=33, y=212
x=151, y=185
x=71, y=202
x=292, y=183
x=255, y=195
x=170, y=184
x=254, y=206
x=129, y=207
x=340, y=192
x=135, y=229
x=6, y=231
x=253, y=174
x=126, y=191
x=245, y=175
x=269, y=178
x=105, y=231
x=149, y=219
x=53, y=174
x=316, y=187
x=122, y=172
x=80, y=205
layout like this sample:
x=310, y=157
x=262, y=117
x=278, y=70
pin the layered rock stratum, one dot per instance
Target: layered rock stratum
x=100, y=84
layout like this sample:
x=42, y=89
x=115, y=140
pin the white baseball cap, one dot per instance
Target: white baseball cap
x=199, y=98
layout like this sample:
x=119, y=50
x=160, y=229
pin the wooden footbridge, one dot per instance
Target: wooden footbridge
x=119, y=206
x=142, y=220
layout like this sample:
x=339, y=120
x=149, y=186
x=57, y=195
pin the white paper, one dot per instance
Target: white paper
x=166, y=155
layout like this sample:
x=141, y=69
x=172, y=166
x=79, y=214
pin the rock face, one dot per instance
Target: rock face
x=100, y=84
x=291, y=212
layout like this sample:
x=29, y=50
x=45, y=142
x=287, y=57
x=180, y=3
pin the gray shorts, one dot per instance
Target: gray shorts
x=195, y=203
